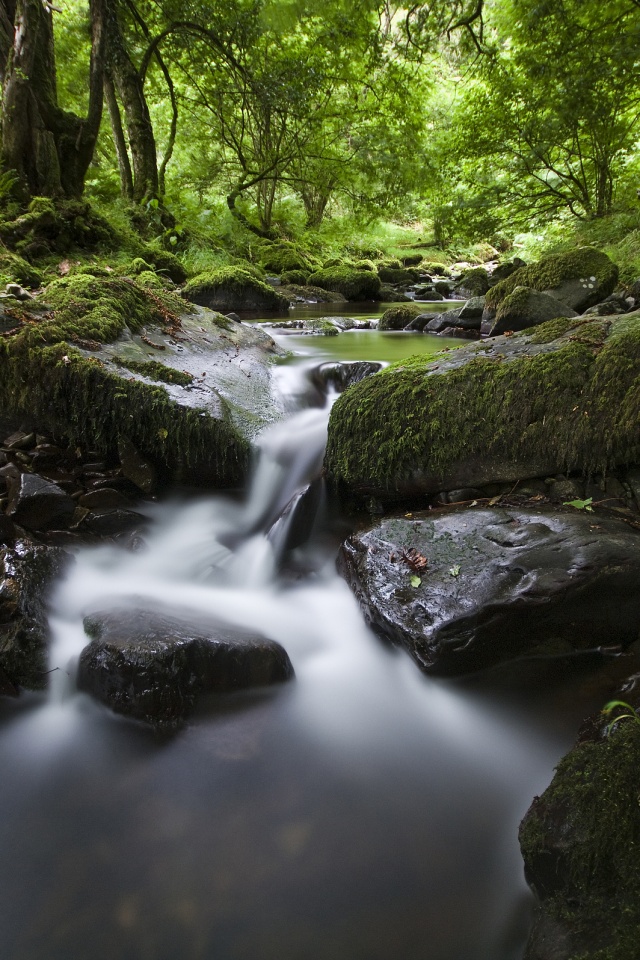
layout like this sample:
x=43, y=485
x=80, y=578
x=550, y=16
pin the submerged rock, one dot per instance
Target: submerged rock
x=153, y=665
x=580, y=840
x=471, y=588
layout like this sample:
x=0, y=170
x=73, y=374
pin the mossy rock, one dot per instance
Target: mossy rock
x=397, y=275
x=49, y=226
x=580, y=844
x=365, y=265
x=523, y=308
x=296, y=277
x=564, y=396
x=436, y=269
x=166, y=264
x=472, y=283
x=396, y=318
x=351, y=283
x=15, y=269
x=578, y=279
x=390, y=263
x=279, y=258
x=228, y=289
x=412, y=260
x=333, y=262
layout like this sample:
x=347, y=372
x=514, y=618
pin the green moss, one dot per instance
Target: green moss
x=155, y=371
x=96, y=308
x=351, y=283
x=396, y=275
x=551, y=272
x=474, y=281
x=165, y=263
x=396, y=318
x=282, y=257
x=79, y=399
x=231, y=278
x=15, y=269
x=549, y=331
x=577, y=405
x=593, y=802
x=365, y=265
x=322, y=327
x=298, y=277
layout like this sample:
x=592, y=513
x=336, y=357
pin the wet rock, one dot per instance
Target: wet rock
x=111, y=522
x=20, y=441
x=153, y=665
x=441, y=321
x=497, y=584
x=339, y=376
x=472, y=309
x=579, y=844
x=26, y=573
x=105, y=498
x=135, y=467
x=38, y=504
x=418, y=323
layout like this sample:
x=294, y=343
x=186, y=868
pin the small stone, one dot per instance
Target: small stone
x=20, y=441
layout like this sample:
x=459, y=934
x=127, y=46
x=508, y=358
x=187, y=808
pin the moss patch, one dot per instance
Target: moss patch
x=155, y=371
x=238, y=281
x=577, y=405
x=98, y=309
x=551, y=272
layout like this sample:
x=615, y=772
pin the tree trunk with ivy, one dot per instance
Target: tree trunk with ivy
x=49, y=148
x=129, y=84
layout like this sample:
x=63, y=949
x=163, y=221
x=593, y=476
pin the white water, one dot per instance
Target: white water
x=361, y=812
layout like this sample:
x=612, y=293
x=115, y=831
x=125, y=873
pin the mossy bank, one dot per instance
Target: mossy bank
x=104, y=359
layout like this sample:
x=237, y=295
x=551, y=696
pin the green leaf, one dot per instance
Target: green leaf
x=580, y=504
x=455, y=570
x=416, y=581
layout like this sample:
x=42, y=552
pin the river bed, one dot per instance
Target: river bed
x=361, y=812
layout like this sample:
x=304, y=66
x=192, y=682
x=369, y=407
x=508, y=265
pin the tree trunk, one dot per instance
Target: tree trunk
x=124, y=166
x=7, y=17
x=136, y=111
x=49, y=148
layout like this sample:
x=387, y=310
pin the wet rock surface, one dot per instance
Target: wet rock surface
x=153, y=665
x=470, y=588
x=27, y=571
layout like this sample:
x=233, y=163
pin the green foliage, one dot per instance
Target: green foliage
x=155, y=371
x=353, y=284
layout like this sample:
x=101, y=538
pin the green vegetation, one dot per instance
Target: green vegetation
x=353, y=284
x=155, y=371
x=578, y=406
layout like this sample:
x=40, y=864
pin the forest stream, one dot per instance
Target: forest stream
x=362, y=811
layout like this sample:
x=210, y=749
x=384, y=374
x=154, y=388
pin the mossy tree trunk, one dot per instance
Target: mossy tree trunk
x=124, y=164
x=49, y=148
x=130, y=86
x=7, y=16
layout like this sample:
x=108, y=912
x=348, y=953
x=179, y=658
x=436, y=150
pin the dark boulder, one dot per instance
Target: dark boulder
x=38, y=504
x=471, y=588
x=26, y=573
x=153, y=665
x=579, y=841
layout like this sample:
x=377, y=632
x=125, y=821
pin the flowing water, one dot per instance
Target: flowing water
x=360, y=812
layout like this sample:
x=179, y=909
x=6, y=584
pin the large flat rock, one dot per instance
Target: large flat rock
x=490, y=585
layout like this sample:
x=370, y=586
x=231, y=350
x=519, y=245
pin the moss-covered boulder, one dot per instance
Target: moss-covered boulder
x=112, y=361
x=15, y=269
x=563, y=396
x=49, y=226
x=165, y=263
x=296, y=277
x=397, y=275
x=472, y=283
x=228, y=289
x=580, y=844
x=353, y=284
x=281, y=257
x=397, y=318
x=578, y=279
x=523, y=308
